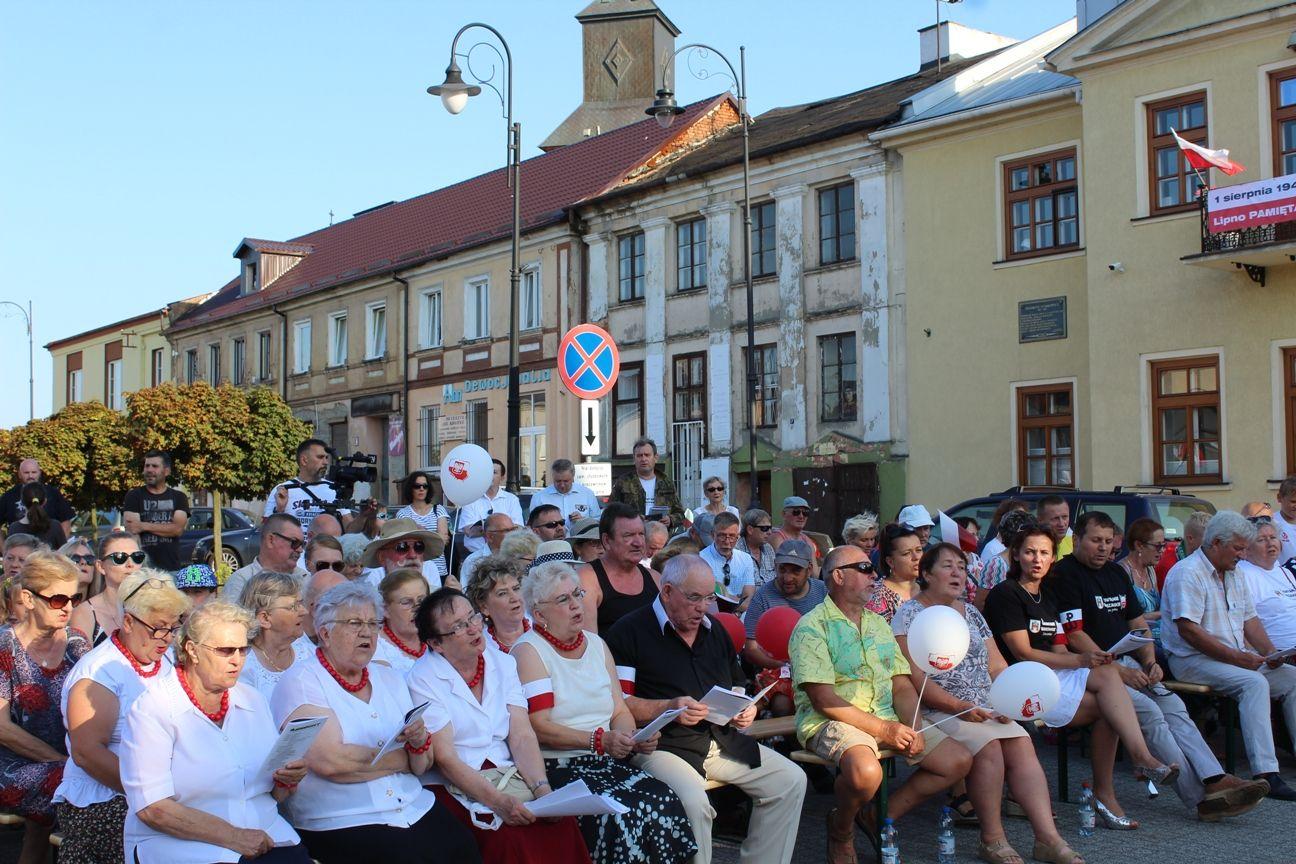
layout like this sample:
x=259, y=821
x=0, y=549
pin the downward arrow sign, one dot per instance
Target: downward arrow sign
x=589, y=424
x=589, y=427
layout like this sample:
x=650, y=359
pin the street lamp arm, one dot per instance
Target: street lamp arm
x=739, y=85
x=26, y=317
x=506, y=98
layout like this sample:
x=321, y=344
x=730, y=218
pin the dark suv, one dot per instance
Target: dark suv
x=1123, y=504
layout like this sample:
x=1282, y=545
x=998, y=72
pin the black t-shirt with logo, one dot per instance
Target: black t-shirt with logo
x=1010, y=607
x=1101, y=602
x=152, y=508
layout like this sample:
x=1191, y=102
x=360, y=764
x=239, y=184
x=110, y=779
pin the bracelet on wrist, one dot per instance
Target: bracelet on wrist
x=598, y=742
x=279, y=784
x=536, y=785
x=422, y=748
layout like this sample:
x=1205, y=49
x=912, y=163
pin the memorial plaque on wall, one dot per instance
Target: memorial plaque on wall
x=1041, y=320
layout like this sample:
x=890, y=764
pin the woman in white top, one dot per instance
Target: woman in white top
x=119, y=556
x=1272, y=587
x=714, y=503
x=585, y=728
x=355, y=805
x=487, y=760
x=192, y=754
x=417, y=492
x=398, y=645
x=274, y=599
x=96, y=696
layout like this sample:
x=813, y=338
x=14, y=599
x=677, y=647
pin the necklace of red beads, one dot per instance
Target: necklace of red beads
x=480, y=673
x=395, y=640
x=553, y=640
x=216, y=717
x=490, y=628
x=130, y=658
x=342, y=682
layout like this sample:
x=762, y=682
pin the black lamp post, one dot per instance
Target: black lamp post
x=665, y=109
x=454, y=93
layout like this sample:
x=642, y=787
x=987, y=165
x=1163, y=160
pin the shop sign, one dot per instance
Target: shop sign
x=451, y=393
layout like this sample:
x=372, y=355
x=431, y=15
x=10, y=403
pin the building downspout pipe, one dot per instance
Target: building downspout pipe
x=283, y=352
x=405, y=378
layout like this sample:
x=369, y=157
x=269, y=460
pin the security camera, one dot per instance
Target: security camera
x=1116, y=267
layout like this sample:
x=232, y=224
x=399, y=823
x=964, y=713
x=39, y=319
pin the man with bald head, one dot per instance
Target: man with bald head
x=319, y=582
x=11, y=506
x=323, y=525
x=497, y=525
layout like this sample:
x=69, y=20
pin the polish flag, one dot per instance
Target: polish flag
x=1203, y=159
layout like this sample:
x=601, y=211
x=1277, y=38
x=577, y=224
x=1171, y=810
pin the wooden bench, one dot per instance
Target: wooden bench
x=771, y=727
x=887, y=758
x=11, y=819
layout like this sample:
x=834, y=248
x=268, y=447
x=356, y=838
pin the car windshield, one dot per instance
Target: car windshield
x=1172, y=513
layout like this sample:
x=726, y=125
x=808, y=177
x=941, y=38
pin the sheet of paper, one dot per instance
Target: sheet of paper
x=1131, y=641
x=293, y=742
x=726, y=704
x=575, y=799
x=1282, y=655
x=391, y=743
x=659, y=722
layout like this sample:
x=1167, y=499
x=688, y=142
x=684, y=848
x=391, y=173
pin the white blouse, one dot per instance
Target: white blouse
x=106, y=666
x=265, y=679
x=393, y=656
x=171, y=750
x=578, y=689
x=397, y=799
x=480, y=728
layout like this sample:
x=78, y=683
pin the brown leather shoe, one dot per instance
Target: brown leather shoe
x=1231, y=796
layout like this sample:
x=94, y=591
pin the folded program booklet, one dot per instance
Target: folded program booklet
x=726, y=704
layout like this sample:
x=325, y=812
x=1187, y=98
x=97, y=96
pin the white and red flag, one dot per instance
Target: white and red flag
x=1204, y=159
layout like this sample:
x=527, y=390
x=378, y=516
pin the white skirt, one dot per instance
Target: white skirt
x=1072, y=683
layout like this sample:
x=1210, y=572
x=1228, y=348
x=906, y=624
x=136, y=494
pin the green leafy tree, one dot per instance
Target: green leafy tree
x=84, y=450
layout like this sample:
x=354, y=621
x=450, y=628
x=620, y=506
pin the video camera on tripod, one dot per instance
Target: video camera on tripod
x=343, y=474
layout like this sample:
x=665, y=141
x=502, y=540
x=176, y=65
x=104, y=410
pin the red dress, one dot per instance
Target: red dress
x=541, y=842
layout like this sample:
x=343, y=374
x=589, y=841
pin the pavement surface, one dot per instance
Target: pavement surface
x=1168, y=833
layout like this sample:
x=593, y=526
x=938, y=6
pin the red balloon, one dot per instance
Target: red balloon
x=734, y=627
x=774, y=629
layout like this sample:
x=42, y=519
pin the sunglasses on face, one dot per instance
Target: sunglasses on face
x=406, y=545
x=798, y=511
x=293, y=542
x=419, y=486
x=764, y=528
x=864, y=567
x=120, y=558
x=551, y=525
x=57, y=601
x=82, y=559
x=227, y=650
x=327, y=565
x=715, y=489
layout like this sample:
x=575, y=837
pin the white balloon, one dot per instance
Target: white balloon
x=938, y=639
x=1025, y=691
x=466, y=473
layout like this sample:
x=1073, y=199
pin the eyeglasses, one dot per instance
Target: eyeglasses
x=473, y=620
x=291, y=541
x=162, y=633
x=1260, y=520
x=419, y=486
x=295, y=606
x=797, y=511
x=1160, y=547
x=57, y=601
x=120, y=558
x=227, y=650
x=566, y=599
x=411, y=602
x=328, y=565
x=147, y=583
x=82, y=559
x=406, y=545
x=715, y=489
x=697, y=599
x=549, y=526
x=864, y=567
x=356, y=624
x=764, y=528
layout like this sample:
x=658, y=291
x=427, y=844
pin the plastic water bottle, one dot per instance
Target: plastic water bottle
x=890, y=843
x=945, y=838
x=1086, y=811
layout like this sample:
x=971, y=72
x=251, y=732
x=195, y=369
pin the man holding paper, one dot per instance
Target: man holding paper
x=1101, y=611
x=669, y=654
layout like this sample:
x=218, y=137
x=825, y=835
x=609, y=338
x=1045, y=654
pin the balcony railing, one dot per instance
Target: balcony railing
x=1246, y=238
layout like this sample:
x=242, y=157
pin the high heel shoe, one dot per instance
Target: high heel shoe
x=1111, y=821
x=1161, y=775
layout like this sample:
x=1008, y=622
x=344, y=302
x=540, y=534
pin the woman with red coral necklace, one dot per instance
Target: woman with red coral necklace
x=496, y=592
x=362, y=800
x=100, y=691
x=398, y=645
x=487, y=760
x=191, y=757
x=36, y=656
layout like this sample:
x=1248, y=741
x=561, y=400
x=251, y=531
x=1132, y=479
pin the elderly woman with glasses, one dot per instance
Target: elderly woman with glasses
x=192, y=753
x=496, y=593
x=362, y=800
x=36, y=657
x=487, y=760
x=81, y=553
x=418, y=493
x=119, y=555
x=585, y=729
x=756, y=528
x=714, y=503
x=1272, y=586
x=398, y=645
x=90, y=802
x=274, y=600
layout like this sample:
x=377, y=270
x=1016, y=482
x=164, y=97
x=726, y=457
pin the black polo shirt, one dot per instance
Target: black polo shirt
x=667, y=668
x=1101, y=602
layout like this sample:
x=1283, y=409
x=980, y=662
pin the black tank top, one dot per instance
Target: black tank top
x=615, y=604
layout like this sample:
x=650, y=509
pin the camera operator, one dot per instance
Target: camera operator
x=292, y=498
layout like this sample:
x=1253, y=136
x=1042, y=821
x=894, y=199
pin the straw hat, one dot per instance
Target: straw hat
x=402, y=529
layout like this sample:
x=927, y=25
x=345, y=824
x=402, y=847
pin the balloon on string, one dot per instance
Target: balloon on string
x=938, y=639
x=733, y=625
x=466, y=474
x=1025, y=691
x=774, y=631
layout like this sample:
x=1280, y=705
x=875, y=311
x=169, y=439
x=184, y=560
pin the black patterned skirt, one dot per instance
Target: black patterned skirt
x=655, y=830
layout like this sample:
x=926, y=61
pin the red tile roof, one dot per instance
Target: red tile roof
x=468, y=214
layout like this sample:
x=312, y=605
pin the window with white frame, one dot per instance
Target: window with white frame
x=337, y=351
x=301, y=346
x=158, y=365
x=430, y=318
x=430, y=437
x=477, y=308
x=529, y=301
x=113, y=387
x=191, y=365
x=375, y=331
x=74, y=385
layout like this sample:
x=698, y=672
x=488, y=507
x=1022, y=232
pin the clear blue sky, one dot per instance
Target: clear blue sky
x=140, y=140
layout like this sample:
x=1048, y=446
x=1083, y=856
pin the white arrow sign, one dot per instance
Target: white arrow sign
x=590, y=441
